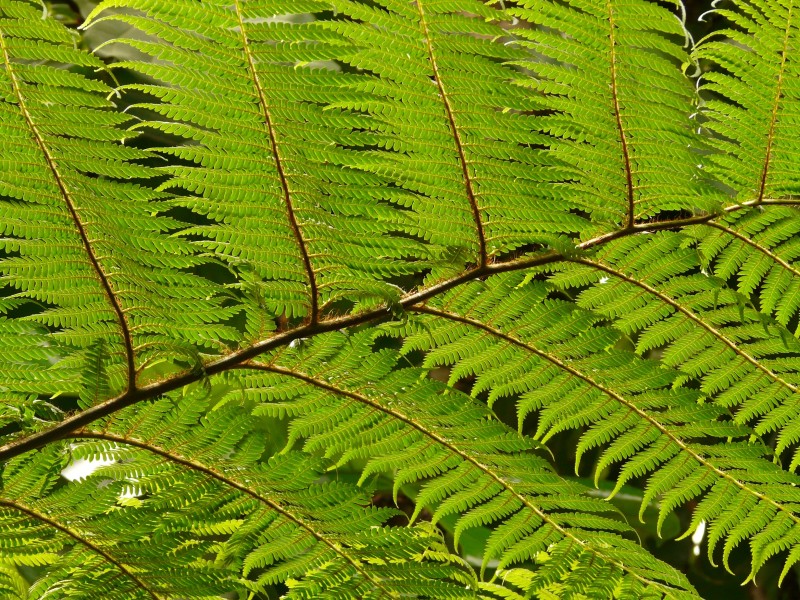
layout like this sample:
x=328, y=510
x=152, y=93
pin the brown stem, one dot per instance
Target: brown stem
x=73, y=212
x=273, y=143
x=233, y=360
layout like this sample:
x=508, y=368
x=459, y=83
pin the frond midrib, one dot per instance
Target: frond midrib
x=691, y=316
x=775, y=106
x=626, y=158
x=483, y=256
x=279, y=166
x=37, y=516
x=192, y=465
x=763, y=249
x=52, y=166
x=463, y=455
x=233, y=360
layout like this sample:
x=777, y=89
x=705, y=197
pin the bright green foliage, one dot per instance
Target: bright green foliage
x=320, y=283
x=108, y=551
x=741, y=360
x=548, y=353
x=270, y=149
x=64, y=255
x=756, y=157
x=457, y=124
x=12, y=584
x=621, y=106
x=353, y=403
x=182, y=483
x=755, y=116
x=759, y=250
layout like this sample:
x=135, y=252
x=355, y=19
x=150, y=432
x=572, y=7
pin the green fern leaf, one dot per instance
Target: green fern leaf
x=351, y=403
x=516, y=341
x=64, y=255
x=620, y=105
x=188, y=486
x=235, y=262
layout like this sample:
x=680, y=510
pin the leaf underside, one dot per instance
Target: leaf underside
x=313, y=284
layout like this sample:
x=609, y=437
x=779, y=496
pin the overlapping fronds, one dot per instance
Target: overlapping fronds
x=620, y=106
x=743, y=361
x=200, y=242
x=12, y=585
x=256, y=98
x=77, y=533
x=752, y=100
x=756, y=251
x=464, y=136
x=751, y=104
x=551, y=581
x=517, y=341
x=193, y=488
x=352, y=403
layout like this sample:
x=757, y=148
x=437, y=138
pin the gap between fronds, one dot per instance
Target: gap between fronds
x=240, y=357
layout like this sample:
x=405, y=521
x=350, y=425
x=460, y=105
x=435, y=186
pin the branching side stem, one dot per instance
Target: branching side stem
x=76, y=219
x=240, y=357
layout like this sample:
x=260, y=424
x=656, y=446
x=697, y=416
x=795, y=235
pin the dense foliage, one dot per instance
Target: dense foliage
x=399, y=299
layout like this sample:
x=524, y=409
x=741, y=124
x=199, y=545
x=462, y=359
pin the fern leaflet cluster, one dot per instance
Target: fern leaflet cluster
x=318, y=284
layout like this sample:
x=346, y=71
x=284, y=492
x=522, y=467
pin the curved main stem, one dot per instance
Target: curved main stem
x=235, y=359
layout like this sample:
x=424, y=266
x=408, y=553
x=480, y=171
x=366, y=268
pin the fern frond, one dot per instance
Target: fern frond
x=256, y=100
x=742, y=359
x=352, y=404
x=518, y=342
x=467, y=147
x=84, y=251
x=12, y=585
x=195, y=483
x=534, y=194
x=757, y=250
x=620, y=107
x=76, y=533
x=752, y=99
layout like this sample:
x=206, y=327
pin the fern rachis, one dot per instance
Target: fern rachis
x=239, y=250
